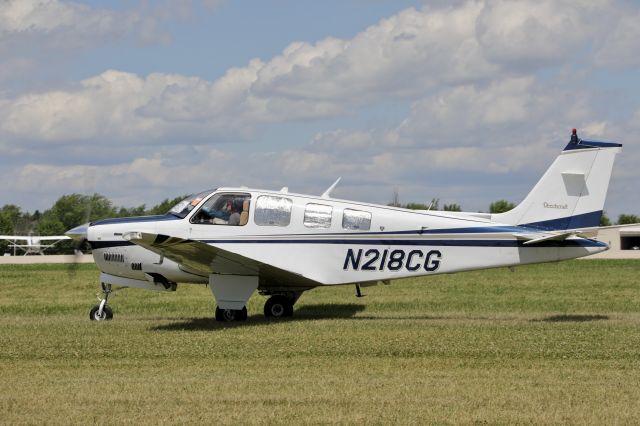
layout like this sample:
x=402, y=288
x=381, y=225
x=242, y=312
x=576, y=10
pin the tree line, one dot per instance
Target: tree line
x=68, y=212
x=501, y=206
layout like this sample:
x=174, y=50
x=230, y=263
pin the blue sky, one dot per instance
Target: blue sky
x=467, y=102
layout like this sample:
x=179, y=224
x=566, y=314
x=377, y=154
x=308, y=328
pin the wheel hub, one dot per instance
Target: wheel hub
x=277, y=310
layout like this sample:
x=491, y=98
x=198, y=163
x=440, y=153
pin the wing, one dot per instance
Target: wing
x=39, y=238
x=53, y=237
x=209, y=259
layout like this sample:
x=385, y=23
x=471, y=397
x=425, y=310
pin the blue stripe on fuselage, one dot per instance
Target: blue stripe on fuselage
x=386, y=242
x=136, y=219
x=583, y=242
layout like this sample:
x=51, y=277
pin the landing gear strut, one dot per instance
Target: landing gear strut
x=102, y=312
x=279, y=306
x=231, y=314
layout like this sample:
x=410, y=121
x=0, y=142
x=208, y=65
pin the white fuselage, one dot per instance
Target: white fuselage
x=397, y=243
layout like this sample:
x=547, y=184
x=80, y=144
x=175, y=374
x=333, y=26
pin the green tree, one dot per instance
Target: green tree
x=452, y=207
x=50, y=225
x=6, y=225
x=21, y=223
x=132, y=211
x=6, y=228
x=500, y=206
x=604, y=220
x=395, y=201
x=75, y=209
x=416, y=206
x=12, y=213
x=626, y=219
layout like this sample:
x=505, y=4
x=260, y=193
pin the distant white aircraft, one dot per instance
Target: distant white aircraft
x=33, y=244
x=238, y=240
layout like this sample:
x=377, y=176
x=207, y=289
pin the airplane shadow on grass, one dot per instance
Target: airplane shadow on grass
x=304, y=313
x=333, y=311
x=572, y=318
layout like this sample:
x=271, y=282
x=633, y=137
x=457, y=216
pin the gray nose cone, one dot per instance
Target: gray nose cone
x=78, y=233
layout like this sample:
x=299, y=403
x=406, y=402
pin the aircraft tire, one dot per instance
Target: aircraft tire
x=242, y=314
x=278, y=307
x=107, y=313
x=225, y=315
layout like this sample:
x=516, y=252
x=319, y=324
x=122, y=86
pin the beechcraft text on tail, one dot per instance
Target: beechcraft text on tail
x=239, y=240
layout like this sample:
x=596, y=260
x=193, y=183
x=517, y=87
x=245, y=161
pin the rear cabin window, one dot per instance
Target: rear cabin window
x=356, y=219
x=317, y=216
x=273, y=211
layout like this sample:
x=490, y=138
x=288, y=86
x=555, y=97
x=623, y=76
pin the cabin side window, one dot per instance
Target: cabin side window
x=356, y=219
x=224, y=209
x=317, y=216
x=272, y=211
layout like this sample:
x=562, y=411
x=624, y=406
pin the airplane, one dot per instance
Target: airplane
x=33, y=244
x=238, y=240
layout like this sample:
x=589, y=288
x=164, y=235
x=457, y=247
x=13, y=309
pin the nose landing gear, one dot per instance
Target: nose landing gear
x=102, y=312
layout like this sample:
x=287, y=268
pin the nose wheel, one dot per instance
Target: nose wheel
x=97, y=314
x=102, y=312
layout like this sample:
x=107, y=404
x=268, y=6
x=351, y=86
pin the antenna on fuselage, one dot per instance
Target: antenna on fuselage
x=327, y=193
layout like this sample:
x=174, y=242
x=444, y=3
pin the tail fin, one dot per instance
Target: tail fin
x=571, y=193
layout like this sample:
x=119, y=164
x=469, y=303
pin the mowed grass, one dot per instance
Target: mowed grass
x=545, y=344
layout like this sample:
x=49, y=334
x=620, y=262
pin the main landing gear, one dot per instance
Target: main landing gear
x=277, y=306
x=102, y=312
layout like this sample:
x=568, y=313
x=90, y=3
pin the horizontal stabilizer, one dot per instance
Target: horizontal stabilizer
x=533, y=240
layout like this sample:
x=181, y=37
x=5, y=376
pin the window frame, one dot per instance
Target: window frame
x=317, y=225
x=257, y=209
x=217, y=195
x=347, y=211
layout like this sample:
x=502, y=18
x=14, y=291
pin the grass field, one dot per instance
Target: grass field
x=544, y=344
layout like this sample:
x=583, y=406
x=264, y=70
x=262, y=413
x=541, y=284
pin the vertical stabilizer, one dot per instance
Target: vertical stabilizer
x=571, y=193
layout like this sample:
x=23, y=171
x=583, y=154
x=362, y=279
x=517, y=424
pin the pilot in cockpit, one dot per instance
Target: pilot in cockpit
x=236, y=209
x=226, y=209
x=218, y=212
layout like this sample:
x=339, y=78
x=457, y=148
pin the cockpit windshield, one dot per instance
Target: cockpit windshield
x=183, y=208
